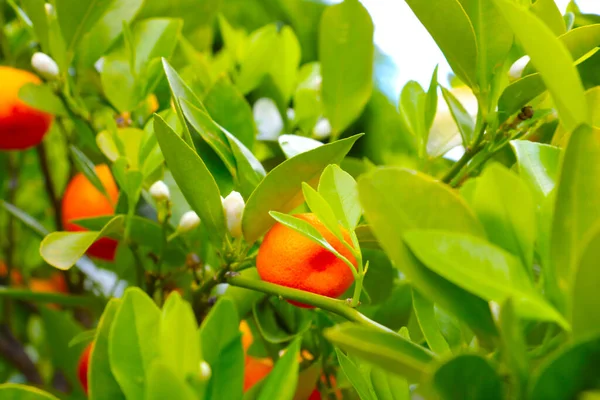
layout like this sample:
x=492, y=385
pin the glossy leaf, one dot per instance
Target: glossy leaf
x=346, y=53
x=102, y=384
x=431, y=100
x=319, y=206
x=390, y=351
x=341, y=192
x=133, y=343
x=412, y=110
x=76, y=18
x=547, y=11
x=164, y=383
x=397, y=201
x=468, y=377
x=194, y=179
x=450, y=27
x=253, y=67
x=538, y=166
x=285, y=62
x=15, y=391
x=464, y=121
x=280, y=322
x=552, y=60
x=282, y=380
x=355, y=376
x=36, y=12
x=518, y=94
x=482, y=269
x=286, y=180
x=42, y=98
x=562, y=135
x=425, y=313
x=389, y=386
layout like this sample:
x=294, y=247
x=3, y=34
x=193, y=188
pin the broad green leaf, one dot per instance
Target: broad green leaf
x=178, y=337
x=179, y=88
x=228, y=107
x=355, y=376
x=482, y=269
x=388, y=350
x=562, y=135
x=221, y=348
x=389, y=386
x=164, y=383
x=14, y=391
x=548, y=12
x=425, y=313
x=576, y=211
x=42, y=98
x=396, y=201
x=319, y=206
x=341, y=192
x=130, y=138
x=104, y=33
x=346, y=53
x=292, y=145
x=450, y=27
x=553, y=62
x=281, y=189
x=234, y=39
x=431, y=100
x=584, y=294
x=308, y=108
x=133, y=343
x=76, y=18
x=36, y=12
x=513, y=346
x=518, y=94
x=538, y=166
x=505, y=206
x=468, y=377
x=253, y=67
x=101, y=381
x=282, y=380
x=492, y=36
x=194, y=179
x=464, y=121
x=285, y=61
x=250, y=171
x=412, y=110
x=63, y=249
x=569, y=373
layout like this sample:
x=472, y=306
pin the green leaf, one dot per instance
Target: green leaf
x=482, y=269
x=585, y=301
x=341, y=192
x=285, y=60
x=63, y=249
x=518, y=94
x=178, y=337
x=562, y=135
x=88, y=169
x=355, y=376
x=134, y=342
x=48, y=297
x=221, y=348
x=101, y=381
x=552, y=60
x=292, y=145
x=548, y=12
x=412, y=110
x=396, y=201
x=282, y=381
x=468, y=377
x=538, y=166
x=130, y=138
x=253, y=67
x=228, y=107
x=513, y=346
x=425, y=313
x=431, y=100
x=494, y=39
x=464, y=121
x=450, y=27
x=76, y=18
x=27, y=220
x=505, y=206
x=281, y=188
x=194, y=180
x=42, y=98
x=164, y=383
x=319, y=206
x=576, y=212
x=388, y=386
x=346, y=53
x=568, y=373
x=280, y=322
x=36, y=12
x=390, y=351
x=14, y=391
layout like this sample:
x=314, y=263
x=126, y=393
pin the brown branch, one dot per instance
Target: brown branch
x=12, y=351
x=48, y=183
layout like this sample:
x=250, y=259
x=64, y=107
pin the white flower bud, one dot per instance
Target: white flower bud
x=188, y=221
x=49, y=9
x=233, y=205
x=268, y=120
x=99, y=65
x=322, y=129
x=44, y=65
x=495, y=310
x=291, y=114
x=159, y=191
x=205, y=371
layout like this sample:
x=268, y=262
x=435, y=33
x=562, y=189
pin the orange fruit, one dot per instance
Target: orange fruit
x=15, y=276
x=255, y=370
x=288, y=258
x=55, y=284
x=21, y=126
x=83, y=367
x=247, y=337
x=315, y=395
x=82, y=200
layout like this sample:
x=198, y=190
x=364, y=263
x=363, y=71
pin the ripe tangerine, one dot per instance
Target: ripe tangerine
x=290, y=259
x=83, y=367
x=83, y=200
x=21, y=126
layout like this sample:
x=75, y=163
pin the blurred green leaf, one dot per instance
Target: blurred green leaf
x=464, y=121
x=134, y=342
x=425, y=313
x=285, y=62
x=68, y=300
x=389, y=386
x=513, y=346
x=431, y=100
x=518, y=94
x=549, y=13
x=562, y=135
x=77, y=18
x=286, y=180
x=319, y=206
x=282, y=381
x=388, y=350
x=14, y=391
x=538, y=166
x=194, y=179
x=88, y=169
x=164, y=383
x=101, y=381
x=35, y=226
x=450, y=27
x=355, y=376
x=340, y=190
x=482, y=269
x=468, y=377
x=346, y=53
x=279, y=321
x=412, y=110
x=36, y=11
x=42, y=98
x=254, y=66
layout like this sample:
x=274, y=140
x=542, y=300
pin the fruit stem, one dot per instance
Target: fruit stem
x=335, y=306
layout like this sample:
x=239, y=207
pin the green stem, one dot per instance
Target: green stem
x=464, y=160
x=338, y=307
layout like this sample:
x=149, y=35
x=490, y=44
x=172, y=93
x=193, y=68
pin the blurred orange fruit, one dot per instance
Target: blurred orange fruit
x=21, y=126
x=16, y=279
x=56, y=283
x=83, y=200
x=83, y=367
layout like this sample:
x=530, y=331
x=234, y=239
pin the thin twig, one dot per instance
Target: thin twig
x=48, y=183
x=12, y=351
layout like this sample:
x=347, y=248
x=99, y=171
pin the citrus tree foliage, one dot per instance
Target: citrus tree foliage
x=177, y=134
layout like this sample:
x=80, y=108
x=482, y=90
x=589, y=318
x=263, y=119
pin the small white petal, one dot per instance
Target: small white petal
x=159, y=191
x=291, y=114
x=49, y=9
x=495, y=309
x=188, y=221
x=322, y=129
x=44, y=65
x=99, y=65
x=268, y=120
x=233, y=205
x=205, y=371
